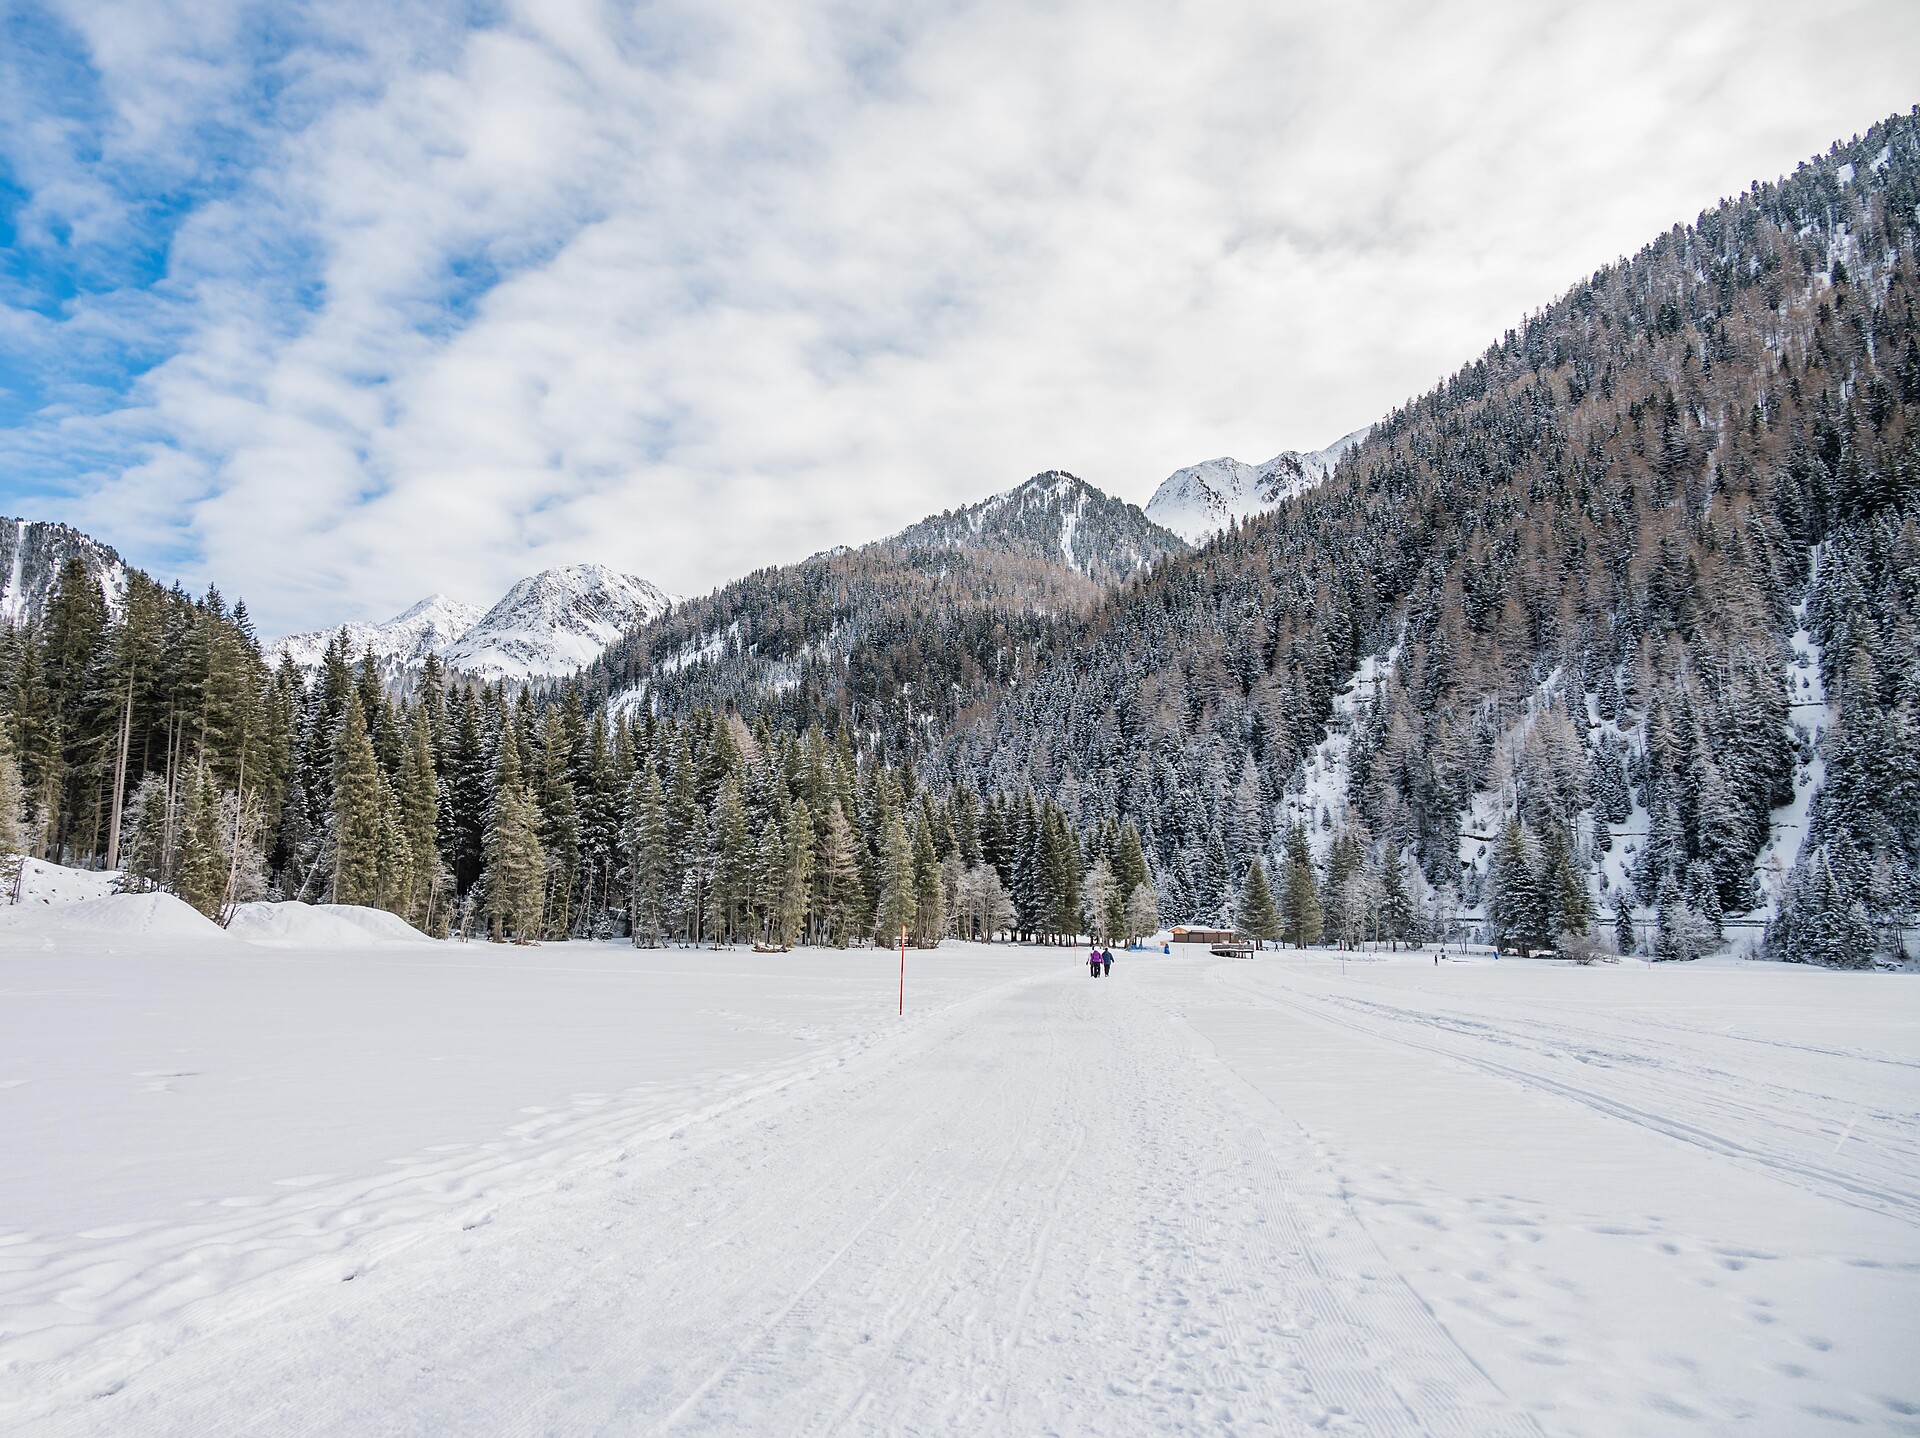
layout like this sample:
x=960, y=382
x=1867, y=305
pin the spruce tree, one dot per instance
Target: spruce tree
x=1301, y=913
x=515, y=873
x=38, y=745
x=732, y=860
x=929, y=899
x=204, y=851
x=842, y=903
x=359, y=837
x=1396, y=902
x=894, y=908
x=1515, y=912
x=1258, y=916
x=420, y=821
x=797, y=879
x=11, y=799
x=645, y=841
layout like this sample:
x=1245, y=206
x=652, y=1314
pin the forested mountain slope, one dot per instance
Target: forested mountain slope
x=1587, y=563
x=32, y=554
x=896, y=638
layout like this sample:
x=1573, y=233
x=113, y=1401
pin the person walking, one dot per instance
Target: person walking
x=1093, y=963
x=1106, y=962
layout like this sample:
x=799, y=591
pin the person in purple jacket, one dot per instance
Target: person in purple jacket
x=1093, y=963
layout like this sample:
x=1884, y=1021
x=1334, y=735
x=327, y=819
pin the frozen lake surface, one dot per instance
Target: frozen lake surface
x=437, y=1189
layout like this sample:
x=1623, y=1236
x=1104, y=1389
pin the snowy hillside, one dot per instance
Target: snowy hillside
x=403, y=641
x=1054, y=516
x=1201, y=500
x=554, y=622
x=32, y=553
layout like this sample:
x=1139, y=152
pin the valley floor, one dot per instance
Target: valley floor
x=440, y=1189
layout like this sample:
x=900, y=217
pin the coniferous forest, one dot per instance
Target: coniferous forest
x=1609, y=639
x=464, y=808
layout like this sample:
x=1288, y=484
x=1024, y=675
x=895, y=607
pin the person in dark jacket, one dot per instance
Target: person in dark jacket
x=1106, y=962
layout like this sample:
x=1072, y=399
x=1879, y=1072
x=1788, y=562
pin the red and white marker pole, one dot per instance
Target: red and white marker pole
x=903, y=971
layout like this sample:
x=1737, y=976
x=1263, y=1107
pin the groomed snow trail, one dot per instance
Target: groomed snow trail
x=1045, y=1210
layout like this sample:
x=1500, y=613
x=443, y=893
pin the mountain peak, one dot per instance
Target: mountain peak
x=1055, y=516
x=547, y=625
x=1204, y=499
x=553, y=622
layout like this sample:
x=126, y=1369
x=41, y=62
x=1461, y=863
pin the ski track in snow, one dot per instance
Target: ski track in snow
x=1179, y=1200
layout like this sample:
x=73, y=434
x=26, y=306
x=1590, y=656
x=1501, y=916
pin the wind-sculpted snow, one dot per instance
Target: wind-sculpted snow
x=583, y=1188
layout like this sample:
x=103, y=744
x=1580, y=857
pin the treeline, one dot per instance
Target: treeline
x=157, y=740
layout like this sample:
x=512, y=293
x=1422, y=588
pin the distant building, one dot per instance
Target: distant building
x=1183, y=934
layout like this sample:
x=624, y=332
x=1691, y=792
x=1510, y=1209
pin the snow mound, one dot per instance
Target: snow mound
x=294, y=925
x=154, y=916
x=377, y=922
x=45, y=883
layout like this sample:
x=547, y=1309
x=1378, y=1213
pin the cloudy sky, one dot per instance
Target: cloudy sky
x=337, y=304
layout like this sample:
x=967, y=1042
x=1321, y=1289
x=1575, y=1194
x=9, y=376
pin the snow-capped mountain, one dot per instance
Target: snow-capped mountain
x=1054, y=516
x=1203, y=500
x=554, y=622
x=32, y=554
x=547, y=625
x=402, y=643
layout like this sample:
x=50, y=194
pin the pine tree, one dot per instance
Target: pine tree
x=1515, y=912
x=148, y=855
x=895, y=909
x=733, y=854
x=11, y=801
x=38, y=745
x=842, y=904
x=1143, y=912
x=929, y=905
x=1301, y=914
x=515, y=873
x=1105, y=915
x=644, y=840
x=359, y=838
x=204, y=851
x=1345, y=858
x=419, y=801
x=1396, y=902
x=1563, y=891
x=1063, y=875
x=797, y=877
x=1258, y=917
x=1623, y=935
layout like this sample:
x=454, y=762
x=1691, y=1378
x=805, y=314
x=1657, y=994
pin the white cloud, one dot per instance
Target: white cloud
x=689, y=289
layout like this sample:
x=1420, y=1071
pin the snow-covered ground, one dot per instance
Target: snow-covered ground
x=586, y=1189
